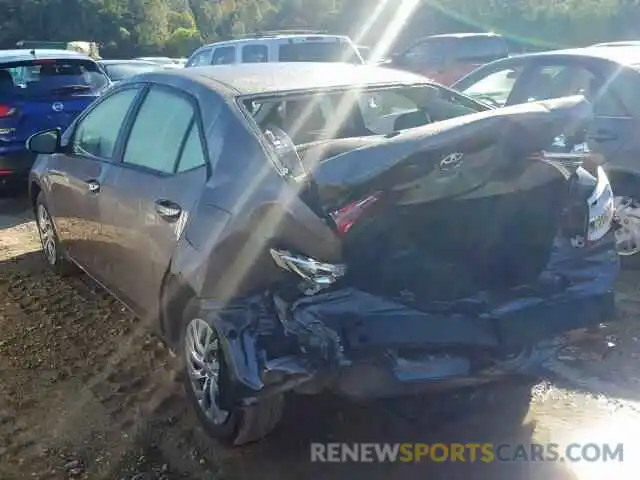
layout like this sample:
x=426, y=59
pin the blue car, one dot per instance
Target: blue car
x=40, y=89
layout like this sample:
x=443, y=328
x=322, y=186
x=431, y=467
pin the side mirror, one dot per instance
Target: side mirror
x=45, y=142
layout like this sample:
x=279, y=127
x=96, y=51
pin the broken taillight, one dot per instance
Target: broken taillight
x=6, y=111
x=347, y=216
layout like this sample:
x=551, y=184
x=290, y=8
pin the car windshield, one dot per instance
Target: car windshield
x=358, y=112
x=37, y=78
x=319, y=52
x=120, y=71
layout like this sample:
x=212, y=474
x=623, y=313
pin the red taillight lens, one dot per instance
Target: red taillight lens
x=348, y=215
x=6, y=111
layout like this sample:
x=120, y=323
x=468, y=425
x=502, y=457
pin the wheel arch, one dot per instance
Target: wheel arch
x=175, y=295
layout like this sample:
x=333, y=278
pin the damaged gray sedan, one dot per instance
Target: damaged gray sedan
x=311, y=227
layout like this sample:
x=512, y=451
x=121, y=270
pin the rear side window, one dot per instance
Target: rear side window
x=481, y=49
x=38, y=78
x=192, y=154
x=224, y=56
x=255, y=54
x=313, y=51
x=159, y=131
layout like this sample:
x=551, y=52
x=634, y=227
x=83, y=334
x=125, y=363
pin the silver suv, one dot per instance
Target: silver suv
x=279, y=46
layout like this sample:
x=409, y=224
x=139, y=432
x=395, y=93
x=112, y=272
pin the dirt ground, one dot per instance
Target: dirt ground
x=86, y=392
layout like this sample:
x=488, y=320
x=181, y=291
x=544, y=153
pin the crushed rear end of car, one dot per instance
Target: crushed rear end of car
x=468, y=249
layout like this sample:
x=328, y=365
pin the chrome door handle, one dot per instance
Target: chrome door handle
x=93, y=186
x=168, y=210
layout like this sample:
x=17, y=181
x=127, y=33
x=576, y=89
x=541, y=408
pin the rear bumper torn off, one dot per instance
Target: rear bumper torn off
x=362, y=345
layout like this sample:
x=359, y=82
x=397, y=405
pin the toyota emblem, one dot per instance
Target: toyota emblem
x=57, y=107
x=451, y=161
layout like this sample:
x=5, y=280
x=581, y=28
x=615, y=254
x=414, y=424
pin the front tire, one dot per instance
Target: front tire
x=207, y=380
x=51, y=248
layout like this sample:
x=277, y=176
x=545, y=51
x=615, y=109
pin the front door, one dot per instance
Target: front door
x=77, y=176
x=150, y=194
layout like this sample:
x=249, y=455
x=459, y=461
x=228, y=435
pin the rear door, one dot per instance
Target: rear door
x=151, y=193
x=50, y=93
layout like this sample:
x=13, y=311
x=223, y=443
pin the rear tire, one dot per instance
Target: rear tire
x=51, y=248
x=627, y=201
x=238, y=426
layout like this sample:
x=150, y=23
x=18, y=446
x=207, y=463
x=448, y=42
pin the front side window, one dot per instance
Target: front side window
x=159, y=130
x=494, y=88
x=224, y=56
x=97, y=133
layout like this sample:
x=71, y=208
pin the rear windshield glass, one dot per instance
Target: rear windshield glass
x=37, y=78
x=318, y=52
x=120, y=71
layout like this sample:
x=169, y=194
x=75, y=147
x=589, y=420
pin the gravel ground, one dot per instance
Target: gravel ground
x=86, y=392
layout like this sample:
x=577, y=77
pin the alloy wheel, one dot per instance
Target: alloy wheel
x=628, y=234
x=47, y=235
x=203, y=354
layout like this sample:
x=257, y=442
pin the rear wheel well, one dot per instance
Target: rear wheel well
x=621, y=179
x=174, y=298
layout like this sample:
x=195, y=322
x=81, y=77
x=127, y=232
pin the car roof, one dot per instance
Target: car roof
x=465, y=35
x=276, y=77
x=276, y=36
x=112, y=61
x=621, y=54
x=20, y=55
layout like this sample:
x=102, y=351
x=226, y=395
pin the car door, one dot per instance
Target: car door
x=151, y=193
x=613, y=127
x=75, y=177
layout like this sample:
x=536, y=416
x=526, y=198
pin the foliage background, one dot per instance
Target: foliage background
x=176, y=27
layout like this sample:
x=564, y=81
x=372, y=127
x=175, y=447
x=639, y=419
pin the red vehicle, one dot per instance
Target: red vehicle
x=447, y=58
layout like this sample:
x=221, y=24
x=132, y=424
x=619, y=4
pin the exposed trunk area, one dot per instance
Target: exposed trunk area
x=444, y=211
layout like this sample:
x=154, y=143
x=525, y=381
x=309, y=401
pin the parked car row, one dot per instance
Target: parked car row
x=313, y=226
x=291, y=219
